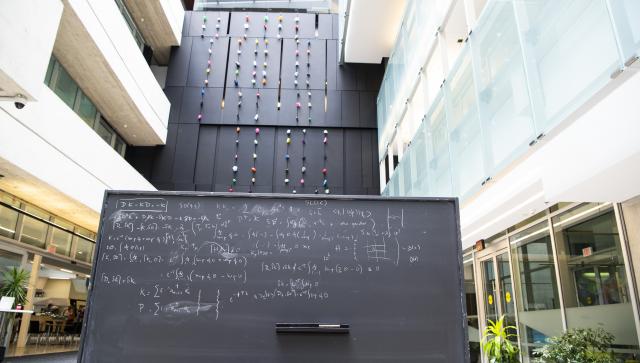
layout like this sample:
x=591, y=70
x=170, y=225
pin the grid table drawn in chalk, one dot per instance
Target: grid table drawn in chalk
x=388, y=248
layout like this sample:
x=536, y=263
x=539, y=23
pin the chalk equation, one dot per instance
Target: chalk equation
x=190, y=258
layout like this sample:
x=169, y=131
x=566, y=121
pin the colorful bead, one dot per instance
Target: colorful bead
x=234, y=168
x=253, y=169
x=286, y=180
x=302, y=181
x=288, y=131
x=288, y=140
x=324, y=171
x=303, y=169
x=257, y=130
x=255, y=142
x=238, y=129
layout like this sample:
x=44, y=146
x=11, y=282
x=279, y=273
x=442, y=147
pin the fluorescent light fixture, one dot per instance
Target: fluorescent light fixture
x=65, y=270
x=530, y=235
x=574, y=217
x=59, y=278
x=507, y=213
x=469, y=260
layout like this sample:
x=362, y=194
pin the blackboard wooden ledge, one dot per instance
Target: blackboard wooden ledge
x=297, y=328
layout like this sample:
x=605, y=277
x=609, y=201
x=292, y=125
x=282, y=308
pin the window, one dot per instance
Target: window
x=61, y=239
x=86, y=110
x=137, y=36
x=104, y=131
x=592, y=272
x=8, y=217
x=84, y=249
x=65, y=87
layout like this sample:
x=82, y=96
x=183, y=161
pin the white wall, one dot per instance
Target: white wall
x=174, y=12
x=54, y=160
x=108, y=30
x=27, y=34
x=596, y=158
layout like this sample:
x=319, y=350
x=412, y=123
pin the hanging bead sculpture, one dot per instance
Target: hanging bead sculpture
x=279, y=27
x=204, y=26
x=218, y=28
x=234, y=168
x=286, y=158
x=254, y=159
x=308, y=81
x=266, y=21
x=237, y=63
x=303, y=169
x=324, y=171
x=207, y=70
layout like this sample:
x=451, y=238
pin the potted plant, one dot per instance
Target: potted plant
x=578, y=346
x=496, y=344
x=14, y=284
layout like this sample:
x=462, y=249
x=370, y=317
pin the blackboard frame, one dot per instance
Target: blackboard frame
x=108, y=193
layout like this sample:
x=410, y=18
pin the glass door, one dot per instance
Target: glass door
x=496, y=288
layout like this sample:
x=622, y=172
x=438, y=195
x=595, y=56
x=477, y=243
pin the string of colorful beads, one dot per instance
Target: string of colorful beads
x=286, y=158
x=234, y=168
x=324, y=171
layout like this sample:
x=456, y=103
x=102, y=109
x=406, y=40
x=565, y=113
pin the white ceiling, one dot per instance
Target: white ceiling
x=372, y=26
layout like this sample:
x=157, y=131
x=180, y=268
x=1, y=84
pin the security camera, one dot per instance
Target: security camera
x=18, y=100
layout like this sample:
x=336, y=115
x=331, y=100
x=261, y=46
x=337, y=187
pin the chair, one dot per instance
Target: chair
x=34, y=330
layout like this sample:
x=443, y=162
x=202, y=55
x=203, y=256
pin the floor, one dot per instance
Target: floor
x=68, y=357
x=40, y=349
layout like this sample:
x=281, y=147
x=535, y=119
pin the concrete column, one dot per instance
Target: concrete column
x=31, y=291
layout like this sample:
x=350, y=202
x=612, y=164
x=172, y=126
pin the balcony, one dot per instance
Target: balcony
x=96, y=47
x=51, y=157
x=527, y=71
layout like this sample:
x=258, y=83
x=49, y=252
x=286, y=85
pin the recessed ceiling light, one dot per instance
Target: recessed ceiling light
x=125, y=126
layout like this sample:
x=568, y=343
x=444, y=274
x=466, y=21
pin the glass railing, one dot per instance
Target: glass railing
x=23, y=223
x=525, y=68
x=316, y=5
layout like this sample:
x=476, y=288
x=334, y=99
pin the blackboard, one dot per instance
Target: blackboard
x=205, y=277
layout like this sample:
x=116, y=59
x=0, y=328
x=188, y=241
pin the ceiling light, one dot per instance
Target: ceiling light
x=65, y=270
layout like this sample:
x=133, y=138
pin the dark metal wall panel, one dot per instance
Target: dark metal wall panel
x=325, y=25
x=207, y=139
x=199, y=154
x=179, y=64
x=306, y=25
x=353, y=160
x=347, y=76
x=254, y=21
x=309, y=63
x=350, y=109
x=333, y=116
x=200, y=58
x=174, y=95
x=163, y=163
x=251, y=105
x=210, y=111
x=332, y=64
x=370, y=159
x=367, y=109
x=213, y=26
x=185, y=154
x=244, y=52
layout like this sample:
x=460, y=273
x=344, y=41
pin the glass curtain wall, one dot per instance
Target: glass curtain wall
x=569, y=272
x=595, y=287
x=521, y=72
x=539, y=315
x=472, y=311
x=22, y=222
